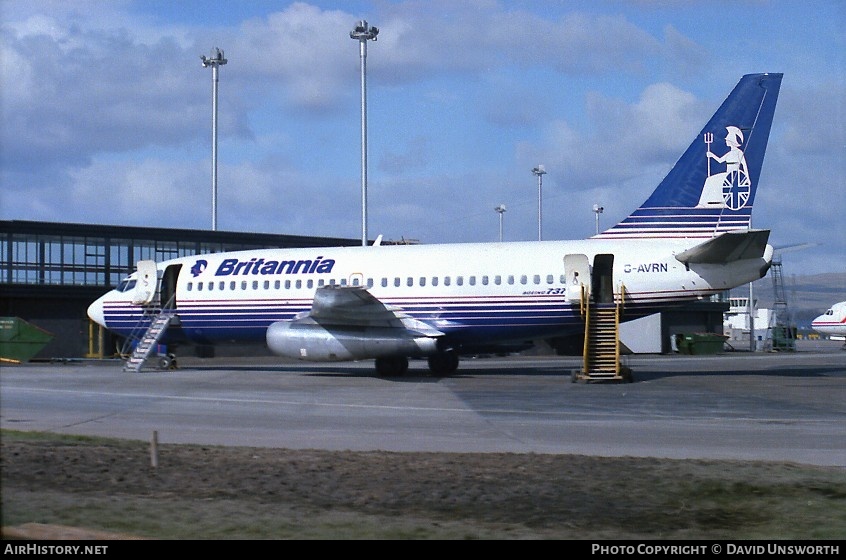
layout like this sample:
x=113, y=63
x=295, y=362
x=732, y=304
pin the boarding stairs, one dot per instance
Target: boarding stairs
x=159, y=321
x=782, y=331
x=601, y=354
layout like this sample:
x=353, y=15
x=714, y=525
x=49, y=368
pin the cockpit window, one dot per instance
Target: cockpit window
x=126, y=284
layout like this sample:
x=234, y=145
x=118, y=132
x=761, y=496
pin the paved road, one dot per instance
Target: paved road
x=781, y=407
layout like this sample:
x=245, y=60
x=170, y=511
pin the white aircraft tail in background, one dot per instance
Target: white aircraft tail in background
x=691, y=239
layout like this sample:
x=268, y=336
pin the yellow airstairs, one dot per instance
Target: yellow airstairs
x=601, y=353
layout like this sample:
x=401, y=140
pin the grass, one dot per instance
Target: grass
x=207, y=492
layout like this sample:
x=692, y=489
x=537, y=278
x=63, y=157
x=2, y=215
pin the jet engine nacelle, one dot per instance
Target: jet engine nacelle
x=305, y=339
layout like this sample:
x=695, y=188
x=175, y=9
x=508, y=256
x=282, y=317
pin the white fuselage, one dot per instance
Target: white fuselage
x=833, y=321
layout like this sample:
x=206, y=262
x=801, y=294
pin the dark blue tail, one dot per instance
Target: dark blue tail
x=712, y=187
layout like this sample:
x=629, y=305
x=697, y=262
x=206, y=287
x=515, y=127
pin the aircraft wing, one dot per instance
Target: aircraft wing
x=728, y=247
x=352, y=306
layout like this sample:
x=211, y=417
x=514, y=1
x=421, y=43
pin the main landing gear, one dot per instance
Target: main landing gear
x=443, y=363
x=440, y=364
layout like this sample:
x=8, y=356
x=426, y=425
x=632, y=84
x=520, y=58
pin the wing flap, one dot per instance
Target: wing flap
x=354, y=306
x=728, y=247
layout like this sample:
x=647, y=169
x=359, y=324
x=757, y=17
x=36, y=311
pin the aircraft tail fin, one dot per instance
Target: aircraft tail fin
x=711, y=189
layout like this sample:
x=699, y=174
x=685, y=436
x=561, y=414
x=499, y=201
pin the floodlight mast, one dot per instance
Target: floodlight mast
x=539, y=171
x=362, y=33
x=597, y=209
x=215, y=61
x=500, y=210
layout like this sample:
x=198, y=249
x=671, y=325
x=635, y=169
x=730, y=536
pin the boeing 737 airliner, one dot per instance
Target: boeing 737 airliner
x=691, y=239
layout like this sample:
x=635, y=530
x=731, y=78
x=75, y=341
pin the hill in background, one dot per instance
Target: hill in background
x=807, y=295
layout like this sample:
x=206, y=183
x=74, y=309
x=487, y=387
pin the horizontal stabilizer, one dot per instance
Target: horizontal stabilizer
x=728, y=247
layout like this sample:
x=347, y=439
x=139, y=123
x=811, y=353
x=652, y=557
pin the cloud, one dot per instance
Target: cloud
x=105, y=105
x=622, y=141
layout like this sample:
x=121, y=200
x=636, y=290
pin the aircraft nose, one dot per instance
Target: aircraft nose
x=95, y=312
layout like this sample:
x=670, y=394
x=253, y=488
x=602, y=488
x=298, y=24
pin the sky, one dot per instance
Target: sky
x=107, y=114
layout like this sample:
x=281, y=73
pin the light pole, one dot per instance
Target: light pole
x=540, y=172
x=500, y=210
x=362, y=32
x=215, y=61
x=597, y=209
x=753, y=345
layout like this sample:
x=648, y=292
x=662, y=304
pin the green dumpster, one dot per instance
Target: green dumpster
x=701, y=343
x=20, y=341
x=683, y=343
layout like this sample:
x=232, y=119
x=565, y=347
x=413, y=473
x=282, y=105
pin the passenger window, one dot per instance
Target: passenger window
x=536, y=279
x=199, y=286
x=355, y=281
x=211, y=286
x=370, y=282
x=255, y=284
x=298, y=284
x=232, y=285
x=422, y=280
x=409, y=281
x=267, y=284
x=243, y=284
x=384, y=282
x=320, y=283
x=472, y=280
x=310, y=283
x=434, y=280
x=497, y=279
x=287, y=284
x=510, y=279
x=446, y=281
x=277, y=284
x=549, y=279
x=459, y=280
x=524, y=279
x=484, y=280
x=222, y=285
x=190, y=286
x=396, y=282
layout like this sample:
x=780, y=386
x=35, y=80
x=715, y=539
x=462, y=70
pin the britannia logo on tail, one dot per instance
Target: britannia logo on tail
x=728, y=186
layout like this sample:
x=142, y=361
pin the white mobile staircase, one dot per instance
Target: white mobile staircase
x=160, y=320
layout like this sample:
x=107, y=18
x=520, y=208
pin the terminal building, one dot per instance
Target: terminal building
x=51, y=272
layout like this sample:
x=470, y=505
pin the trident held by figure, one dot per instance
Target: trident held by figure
x=708, y=137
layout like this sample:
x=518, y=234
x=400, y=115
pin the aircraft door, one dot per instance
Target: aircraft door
x=147, y=282
x=577, y=274
x=603, y=278
x=171, y=275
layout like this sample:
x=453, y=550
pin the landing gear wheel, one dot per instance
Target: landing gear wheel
x=167, y=362
x=392, y=366
x=443, y=363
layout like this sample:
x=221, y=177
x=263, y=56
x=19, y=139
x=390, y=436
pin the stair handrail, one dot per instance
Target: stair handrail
x=586, y=343
x=618, y=313
x=582, y=299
